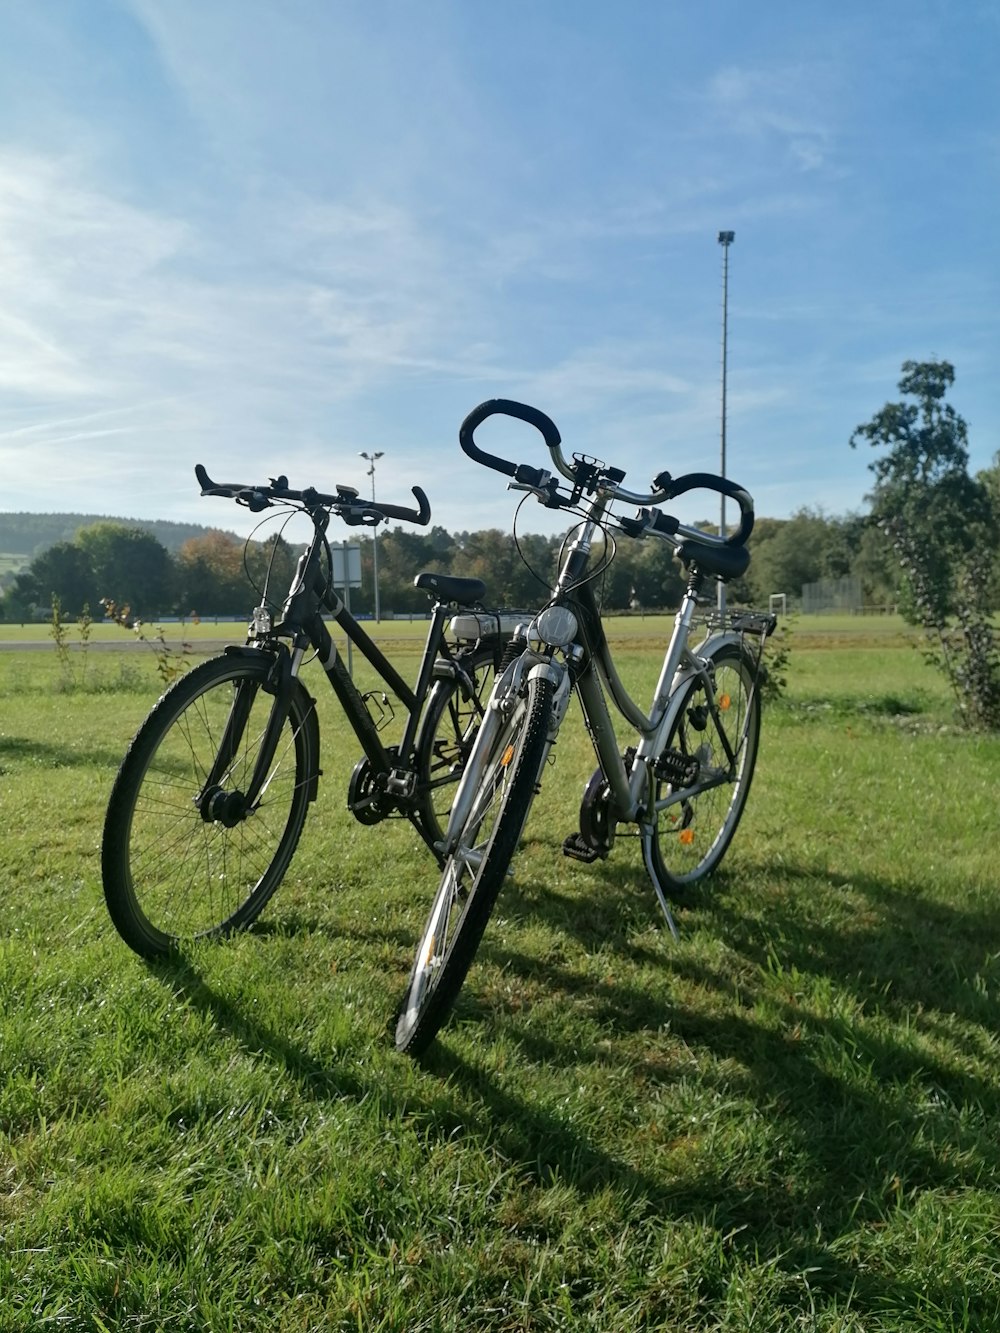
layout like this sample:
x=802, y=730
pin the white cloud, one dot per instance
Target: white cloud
x=789, y=104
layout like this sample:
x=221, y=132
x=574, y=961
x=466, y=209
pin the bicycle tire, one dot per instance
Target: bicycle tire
x=448, y=733
x=693, y=835
x=171, y=877
x=491, y=833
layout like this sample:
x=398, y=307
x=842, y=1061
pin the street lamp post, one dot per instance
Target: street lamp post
x=726, y=239
x=371, y=458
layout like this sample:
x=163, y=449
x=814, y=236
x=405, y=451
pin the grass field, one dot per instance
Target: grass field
x=785, y=1120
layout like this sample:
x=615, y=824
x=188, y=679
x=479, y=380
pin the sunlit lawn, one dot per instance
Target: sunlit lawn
x=785, y=1120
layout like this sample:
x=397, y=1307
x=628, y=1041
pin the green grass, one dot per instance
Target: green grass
x=786, y=1120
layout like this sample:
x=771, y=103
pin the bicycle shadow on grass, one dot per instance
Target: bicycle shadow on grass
x=24, y=751
x=870, y=1114
x=902, y=949
x=317, y=1079
x=759, y=1222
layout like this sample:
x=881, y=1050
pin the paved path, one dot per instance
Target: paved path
x=196, y=647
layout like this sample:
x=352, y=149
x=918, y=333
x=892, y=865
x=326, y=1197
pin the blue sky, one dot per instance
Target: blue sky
x=265, y=236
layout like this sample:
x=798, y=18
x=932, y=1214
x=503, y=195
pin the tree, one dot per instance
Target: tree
x=924, y=497
x=210, y=578
x=943, y=528
x=875, y=564
x=130, y=566
x=272, y=562
x=63, y=571
x=989, y=479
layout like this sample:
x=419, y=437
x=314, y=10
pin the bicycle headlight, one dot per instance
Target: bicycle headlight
x=555, y=626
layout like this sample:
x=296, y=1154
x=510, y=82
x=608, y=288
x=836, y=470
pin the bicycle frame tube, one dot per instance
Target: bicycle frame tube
x=374, y=654
x=303, y=621
x=597, y=674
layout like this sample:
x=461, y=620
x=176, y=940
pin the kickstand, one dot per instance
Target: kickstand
x=647, y=835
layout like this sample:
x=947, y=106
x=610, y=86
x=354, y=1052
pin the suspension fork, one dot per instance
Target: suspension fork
x=214, y=800
x=307, y=589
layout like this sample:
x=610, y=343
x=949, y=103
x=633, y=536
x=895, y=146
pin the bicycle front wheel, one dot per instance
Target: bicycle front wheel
x=475, y=871
x=172, y=872
x=708, y=762
x=449, y=730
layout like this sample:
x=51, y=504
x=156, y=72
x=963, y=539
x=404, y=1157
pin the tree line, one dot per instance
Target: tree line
x=924, y=456
x=219, y=574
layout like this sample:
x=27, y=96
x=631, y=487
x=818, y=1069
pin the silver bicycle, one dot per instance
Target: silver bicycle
x=683, y=784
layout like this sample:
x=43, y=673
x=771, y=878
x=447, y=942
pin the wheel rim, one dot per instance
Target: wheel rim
x=187, y=876
x=692, y=834
x=454, y=736
x=460, y=872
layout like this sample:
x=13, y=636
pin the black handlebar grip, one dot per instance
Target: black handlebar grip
x=665, y=523
x=508, y=408
x=423, y=504
x=421, y=515
x=229, y=489
x=708, y=481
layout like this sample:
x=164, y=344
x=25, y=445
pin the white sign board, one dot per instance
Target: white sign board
x=346, y=558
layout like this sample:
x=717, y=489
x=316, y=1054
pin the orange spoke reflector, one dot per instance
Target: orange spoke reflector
x=686, y=836
x=724, y=701
x=508, y=755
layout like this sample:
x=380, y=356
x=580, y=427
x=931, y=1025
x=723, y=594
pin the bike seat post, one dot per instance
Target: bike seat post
x=432, y=645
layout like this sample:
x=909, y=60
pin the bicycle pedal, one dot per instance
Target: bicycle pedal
x=575, y=847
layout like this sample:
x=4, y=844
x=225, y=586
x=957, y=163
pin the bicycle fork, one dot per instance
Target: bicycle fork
x=228, y=806
x=507, y=689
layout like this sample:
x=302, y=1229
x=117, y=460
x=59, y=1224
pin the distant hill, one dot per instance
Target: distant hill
x=27, y=535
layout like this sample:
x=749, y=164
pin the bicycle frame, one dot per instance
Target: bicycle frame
x=595, y=677
x=590, y=668
x=587, y=665
x=302, y=623
x=695, y=752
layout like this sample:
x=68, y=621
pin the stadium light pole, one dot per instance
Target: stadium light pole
x=371, y=458
x=726, y=239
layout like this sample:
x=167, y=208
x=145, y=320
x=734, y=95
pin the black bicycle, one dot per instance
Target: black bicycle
x=211, y=797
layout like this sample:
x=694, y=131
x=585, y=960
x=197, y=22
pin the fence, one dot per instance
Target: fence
x=842, y=595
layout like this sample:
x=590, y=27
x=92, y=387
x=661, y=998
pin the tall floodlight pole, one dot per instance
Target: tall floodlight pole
x=726, y=239
x=371, y=458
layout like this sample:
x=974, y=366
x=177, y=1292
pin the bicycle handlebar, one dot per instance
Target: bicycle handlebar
x=707, y=481
x=508, y=408
x=665, y=487
x=345, y=503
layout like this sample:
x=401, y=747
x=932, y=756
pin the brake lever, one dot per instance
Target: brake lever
x=547, y=493
x=255, y=501
x=360, y=516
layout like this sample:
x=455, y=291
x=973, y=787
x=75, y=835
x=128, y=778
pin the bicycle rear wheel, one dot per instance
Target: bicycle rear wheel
x=474, y=873
x=693, y=834
x=448, y=733
x=173, y=874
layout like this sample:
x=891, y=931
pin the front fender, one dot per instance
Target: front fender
x=310, y=727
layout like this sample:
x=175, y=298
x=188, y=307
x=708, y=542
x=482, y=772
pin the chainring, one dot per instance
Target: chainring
x=367, y=799
x=597, y=814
